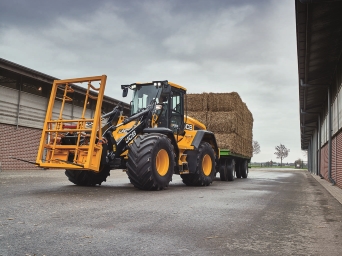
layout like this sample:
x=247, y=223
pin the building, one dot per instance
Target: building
x=24, y=95
x=319, y=47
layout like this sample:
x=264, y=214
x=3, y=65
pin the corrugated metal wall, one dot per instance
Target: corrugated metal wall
x=22, y=117
x=324, y=161
x=25, y=109
x=314, y=156
x=336, y=129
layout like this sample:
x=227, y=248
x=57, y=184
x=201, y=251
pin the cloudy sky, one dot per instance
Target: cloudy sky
x=245, y=46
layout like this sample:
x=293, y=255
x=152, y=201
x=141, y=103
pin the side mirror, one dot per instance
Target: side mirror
x=124, y=92
x=166, y=89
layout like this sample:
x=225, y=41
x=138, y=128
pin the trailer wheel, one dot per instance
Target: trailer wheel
x=223, y=170
x=151, y=161
x=88, y=177
x=230, y=163
x=244, y=169
x=204, y=171
x=238, y=169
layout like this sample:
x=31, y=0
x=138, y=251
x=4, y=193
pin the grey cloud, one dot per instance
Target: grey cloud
x=218, y=46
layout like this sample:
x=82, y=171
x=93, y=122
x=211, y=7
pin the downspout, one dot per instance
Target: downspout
x=329, y=142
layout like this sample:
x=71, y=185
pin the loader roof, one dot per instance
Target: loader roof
x=170, y=83
x=177, y=86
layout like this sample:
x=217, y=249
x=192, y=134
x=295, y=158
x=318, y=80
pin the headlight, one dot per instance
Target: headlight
x=157, y=84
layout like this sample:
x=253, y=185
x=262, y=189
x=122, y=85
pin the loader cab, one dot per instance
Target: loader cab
x=177, y=110
x=169, y=99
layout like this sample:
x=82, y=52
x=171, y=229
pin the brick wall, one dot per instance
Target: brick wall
x=21, y=142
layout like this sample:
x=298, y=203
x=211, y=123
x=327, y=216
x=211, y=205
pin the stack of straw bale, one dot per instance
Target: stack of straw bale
x=227, y=117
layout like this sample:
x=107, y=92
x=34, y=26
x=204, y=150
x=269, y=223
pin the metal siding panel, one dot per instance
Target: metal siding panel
x=67, y=111
x=32, y=110
x=324, y=161
x=78, y=112
x=8, y=105
x=334, y=117
x=314, y=153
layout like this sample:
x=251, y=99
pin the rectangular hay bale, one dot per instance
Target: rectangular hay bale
x=199, y=116
x=196, y=102
x=224, y=102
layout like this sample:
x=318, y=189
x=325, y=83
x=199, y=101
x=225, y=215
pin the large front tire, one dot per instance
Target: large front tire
x=151, y=161
x=88, y=178
x=204, y=169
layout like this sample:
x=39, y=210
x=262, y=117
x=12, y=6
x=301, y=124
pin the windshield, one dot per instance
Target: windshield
x=142, y=97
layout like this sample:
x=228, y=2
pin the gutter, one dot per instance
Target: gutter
x=317, y=1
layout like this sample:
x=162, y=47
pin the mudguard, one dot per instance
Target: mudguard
x=203, y=135
x=168, y=133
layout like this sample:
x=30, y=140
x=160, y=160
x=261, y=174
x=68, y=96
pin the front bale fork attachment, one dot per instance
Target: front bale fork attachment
x=85, y=149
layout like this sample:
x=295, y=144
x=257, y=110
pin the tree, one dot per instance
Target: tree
x=256, y=147
x=281, y=152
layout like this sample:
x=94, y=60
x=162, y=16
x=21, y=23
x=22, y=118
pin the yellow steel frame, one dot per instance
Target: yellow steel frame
x=86, y=156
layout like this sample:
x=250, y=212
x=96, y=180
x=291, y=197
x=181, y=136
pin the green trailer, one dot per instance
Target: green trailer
x=231, y=165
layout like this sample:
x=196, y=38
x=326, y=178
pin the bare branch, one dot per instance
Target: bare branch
x=256, y=147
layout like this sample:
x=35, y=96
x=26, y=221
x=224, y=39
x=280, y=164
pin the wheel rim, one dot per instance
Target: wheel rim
x=207, y=165
x=162, y=162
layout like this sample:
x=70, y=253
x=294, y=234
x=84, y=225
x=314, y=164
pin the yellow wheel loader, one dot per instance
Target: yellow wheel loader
x=154, y=142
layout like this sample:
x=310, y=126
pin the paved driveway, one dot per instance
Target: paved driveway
x=271, y=213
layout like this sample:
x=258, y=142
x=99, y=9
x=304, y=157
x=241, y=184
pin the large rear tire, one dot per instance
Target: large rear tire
x=151, y=161
x=88, y=178
x=204, y=171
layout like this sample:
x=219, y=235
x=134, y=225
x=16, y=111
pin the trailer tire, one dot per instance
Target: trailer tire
x=237, y=170
x=223, y=170
x=205, y=171
x=244, y=169
x=151, y=161
x=230, y=163
x=88, y=177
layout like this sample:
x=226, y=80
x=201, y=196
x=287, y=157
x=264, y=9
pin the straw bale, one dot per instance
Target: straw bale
x=235, y=143
x=224, y=102
x=199, y=116
x=229, y=141
x=227, y=117
x=230, y=122
x=226, y=122
x=197, y=102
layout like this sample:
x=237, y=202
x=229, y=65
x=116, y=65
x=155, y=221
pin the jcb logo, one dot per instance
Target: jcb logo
x=130, y=137
x=188, y=127
x=123, y=130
